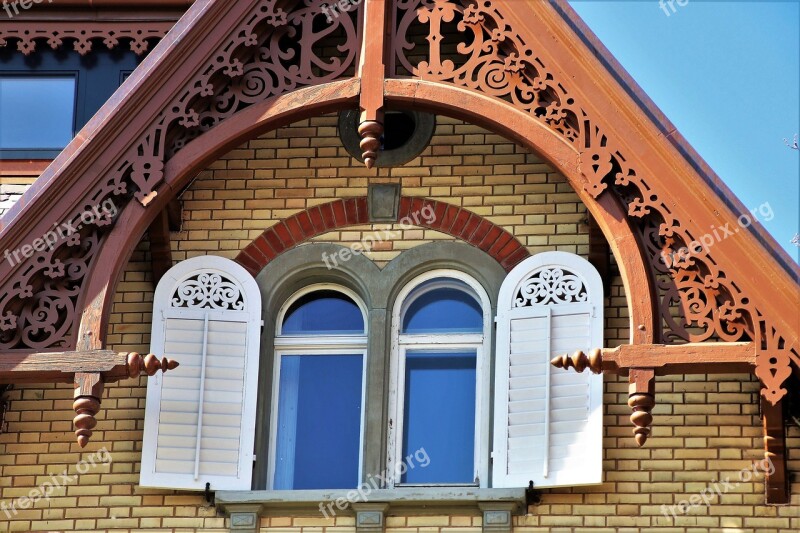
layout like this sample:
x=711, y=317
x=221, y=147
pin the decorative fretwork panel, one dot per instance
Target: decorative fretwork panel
x=208, y=290
x=139, y=34
x=272, y=52
x=550, y=286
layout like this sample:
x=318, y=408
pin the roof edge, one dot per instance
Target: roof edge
x=670, y=132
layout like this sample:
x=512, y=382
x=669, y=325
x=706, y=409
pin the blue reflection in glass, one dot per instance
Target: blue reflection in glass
x=323, y=312
x=440, y=415
x=36, y=112
x=319, y=422
x=443, y=310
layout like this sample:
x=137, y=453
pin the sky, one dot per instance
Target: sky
x=727, y=75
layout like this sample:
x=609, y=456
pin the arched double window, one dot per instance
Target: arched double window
x=434, y=407
x=317, y=414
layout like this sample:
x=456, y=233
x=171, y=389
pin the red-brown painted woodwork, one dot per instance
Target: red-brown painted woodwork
x=777, y=482
x=353, y=211
x=254, y=62
x=88, y=392
x=642, y=399
x=372, y=71
x=82, y=34
x=665, y=359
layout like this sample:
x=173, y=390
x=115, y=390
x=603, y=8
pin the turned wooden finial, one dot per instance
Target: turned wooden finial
x=642, y=405
x=88, y=391
x=148, y=364
x=86, y=408
x=580, y=361
x=642, y=399
x=370, y=132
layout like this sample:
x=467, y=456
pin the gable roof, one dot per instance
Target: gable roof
x=606, y=136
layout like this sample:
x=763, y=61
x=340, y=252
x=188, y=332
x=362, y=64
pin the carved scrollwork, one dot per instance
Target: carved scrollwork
x=208, y=290
x=272, y=52
x=489, y=57
x=470, y=44
x=550, y=286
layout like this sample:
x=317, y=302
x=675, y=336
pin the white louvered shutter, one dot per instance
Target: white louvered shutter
x=200, y=417
x=548, y=422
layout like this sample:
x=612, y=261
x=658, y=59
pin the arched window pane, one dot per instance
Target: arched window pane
x=451, y=308
x=323, y=313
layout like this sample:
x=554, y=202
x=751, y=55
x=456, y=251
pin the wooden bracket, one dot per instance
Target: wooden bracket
x=642, y=399
x=88, y=370
x=642, y=362
x=665, y=359
x=776, y=479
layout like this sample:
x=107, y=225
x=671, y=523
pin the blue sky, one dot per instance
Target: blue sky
x=727, y=74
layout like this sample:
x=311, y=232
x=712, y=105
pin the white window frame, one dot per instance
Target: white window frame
x=251, y=315
x=316, y=345
x=401, y=343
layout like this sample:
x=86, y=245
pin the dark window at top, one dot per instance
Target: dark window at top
x=36, y=112
x=46, y=96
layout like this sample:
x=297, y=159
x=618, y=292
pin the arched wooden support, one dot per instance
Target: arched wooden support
x=642, y=399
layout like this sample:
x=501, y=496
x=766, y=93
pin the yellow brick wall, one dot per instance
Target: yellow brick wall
x=705, y=428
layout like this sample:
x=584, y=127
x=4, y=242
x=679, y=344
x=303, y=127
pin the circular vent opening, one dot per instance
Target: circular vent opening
x=406, y=135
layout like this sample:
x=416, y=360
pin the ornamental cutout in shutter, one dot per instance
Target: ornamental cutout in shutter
x=548, y=428
x=200, y=422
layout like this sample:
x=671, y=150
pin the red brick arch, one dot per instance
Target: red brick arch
x=450, y=219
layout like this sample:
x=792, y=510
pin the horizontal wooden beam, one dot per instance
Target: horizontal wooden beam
x=47, y=367
x=666, y=359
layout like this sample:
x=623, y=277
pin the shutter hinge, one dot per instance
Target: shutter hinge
x=532, y=496
x=209, y=496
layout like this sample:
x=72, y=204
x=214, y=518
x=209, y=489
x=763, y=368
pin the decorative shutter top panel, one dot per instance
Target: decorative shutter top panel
x=200, y=422
x=548, y=424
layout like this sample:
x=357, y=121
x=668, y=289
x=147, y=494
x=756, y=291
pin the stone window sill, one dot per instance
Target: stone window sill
x=370, y=508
